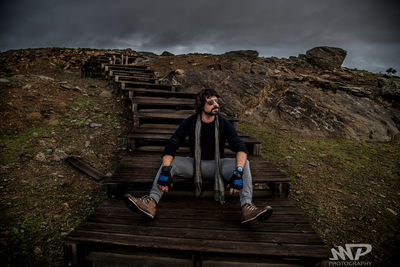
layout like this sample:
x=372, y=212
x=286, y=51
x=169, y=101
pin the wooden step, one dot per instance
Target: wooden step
x=118, y=78
x=198, y=229
x=167, y=136
x=163, y=114
x=111, y=73
x=141, y=168
x=144, y=100
x=126, y=67
x=166, y=128
x=129, y=84
x=158, y=93
x=137, y=141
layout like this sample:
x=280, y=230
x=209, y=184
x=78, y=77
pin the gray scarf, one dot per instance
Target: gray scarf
x=219, y=190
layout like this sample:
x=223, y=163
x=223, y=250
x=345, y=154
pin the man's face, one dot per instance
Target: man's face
x=211, y=107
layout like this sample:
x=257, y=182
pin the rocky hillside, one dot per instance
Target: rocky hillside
x=311, y=94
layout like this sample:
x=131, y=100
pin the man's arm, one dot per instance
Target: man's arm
x=170, y=150
x=241, y=158
x=167, y=160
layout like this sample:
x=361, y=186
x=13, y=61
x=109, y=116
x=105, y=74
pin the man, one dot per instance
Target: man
x=207, y=133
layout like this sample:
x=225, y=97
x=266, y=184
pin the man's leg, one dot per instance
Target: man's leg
x=181, y=166
x=227, y=167
x=147, y=205
x=249, y=212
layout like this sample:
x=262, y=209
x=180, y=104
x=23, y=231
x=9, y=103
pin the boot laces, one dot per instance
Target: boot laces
x=251, y=207
x=146, y=199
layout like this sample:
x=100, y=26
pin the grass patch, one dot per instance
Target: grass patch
x=17, y=145
x=348, y=189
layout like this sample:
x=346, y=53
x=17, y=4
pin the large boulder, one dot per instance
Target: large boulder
x=326, y=57
x=392, y=89
x=238, y=61
x=244, y=54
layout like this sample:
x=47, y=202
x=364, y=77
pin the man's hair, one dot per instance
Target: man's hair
x=202, y=96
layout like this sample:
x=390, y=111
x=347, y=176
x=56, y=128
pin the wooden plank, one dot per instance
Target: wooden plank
x=84, y=167
x=200, y=246
x=282, y=227
x=160, y=93
x=130, y=73
x=119, y=78
x=205, y=234
x=164, y=114
x=166, y=128
x=142, y=100
x=126, y=67
x=129, y=84
x=107, y=259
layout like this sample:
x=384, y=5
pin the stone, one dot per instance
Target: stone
x=2, y=80
x=45, y=78
x=326, y=57
x=392, y=211
x=37, y=251
x=40, y=157
x=392, y=89
x=166, y=53
x=59, y=155
x=106, y=94
x=179, y=71
x=247, y=54
x=94, y=125
x=65, y=86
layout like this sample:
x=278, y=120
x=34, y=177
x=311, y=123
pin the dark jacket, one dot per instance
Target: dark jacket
x=187, y=128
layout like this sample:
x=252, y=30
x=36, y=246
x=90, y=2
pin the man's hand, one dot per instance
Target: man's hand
x=165, y=179
x=236, y=181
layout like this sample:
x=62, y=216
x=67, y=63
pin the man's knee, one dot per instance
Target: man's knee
x=182, y=166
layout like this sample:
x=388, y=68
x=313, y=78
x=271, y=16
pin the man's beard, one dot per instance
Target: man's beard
x=211, y=112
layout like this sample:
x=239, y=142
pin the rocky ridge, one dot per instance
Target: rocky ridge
x=311, y=94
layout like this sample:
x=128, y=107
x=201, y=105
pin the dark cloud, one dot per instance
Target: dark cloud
x=367, y=29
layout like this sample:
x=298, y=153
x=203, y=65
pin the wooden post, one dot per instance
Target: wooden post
x=74, y=254
x=284, y=189
x=197, y=260
x=256, y=149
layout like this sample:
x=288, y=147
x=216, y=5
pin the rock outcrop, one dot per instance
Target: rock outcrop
x=326, y=57
x=310, y=101
x=310, y=94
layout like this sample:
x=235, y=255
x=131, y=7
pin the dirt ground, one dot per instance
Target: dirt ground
x=45, y=117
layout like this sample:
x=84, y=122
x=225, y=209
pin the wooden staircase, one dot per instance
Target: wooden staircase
x=186, y=231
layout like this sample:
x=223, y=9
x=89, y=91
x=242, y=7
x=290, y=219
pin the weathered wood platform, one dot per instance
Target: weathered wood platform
x=186, y=231
x=200, y=228
x=138, y=170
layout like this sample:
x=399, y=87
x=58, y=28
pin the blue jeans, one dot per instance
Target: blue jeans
x=183, y=167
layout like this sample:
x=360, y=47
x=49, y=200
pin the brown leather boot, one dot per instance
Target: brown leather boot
x=252, y=214
x=145, y=206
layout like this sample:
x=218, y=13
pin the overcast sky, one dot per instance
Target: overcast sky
x=367, y=29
